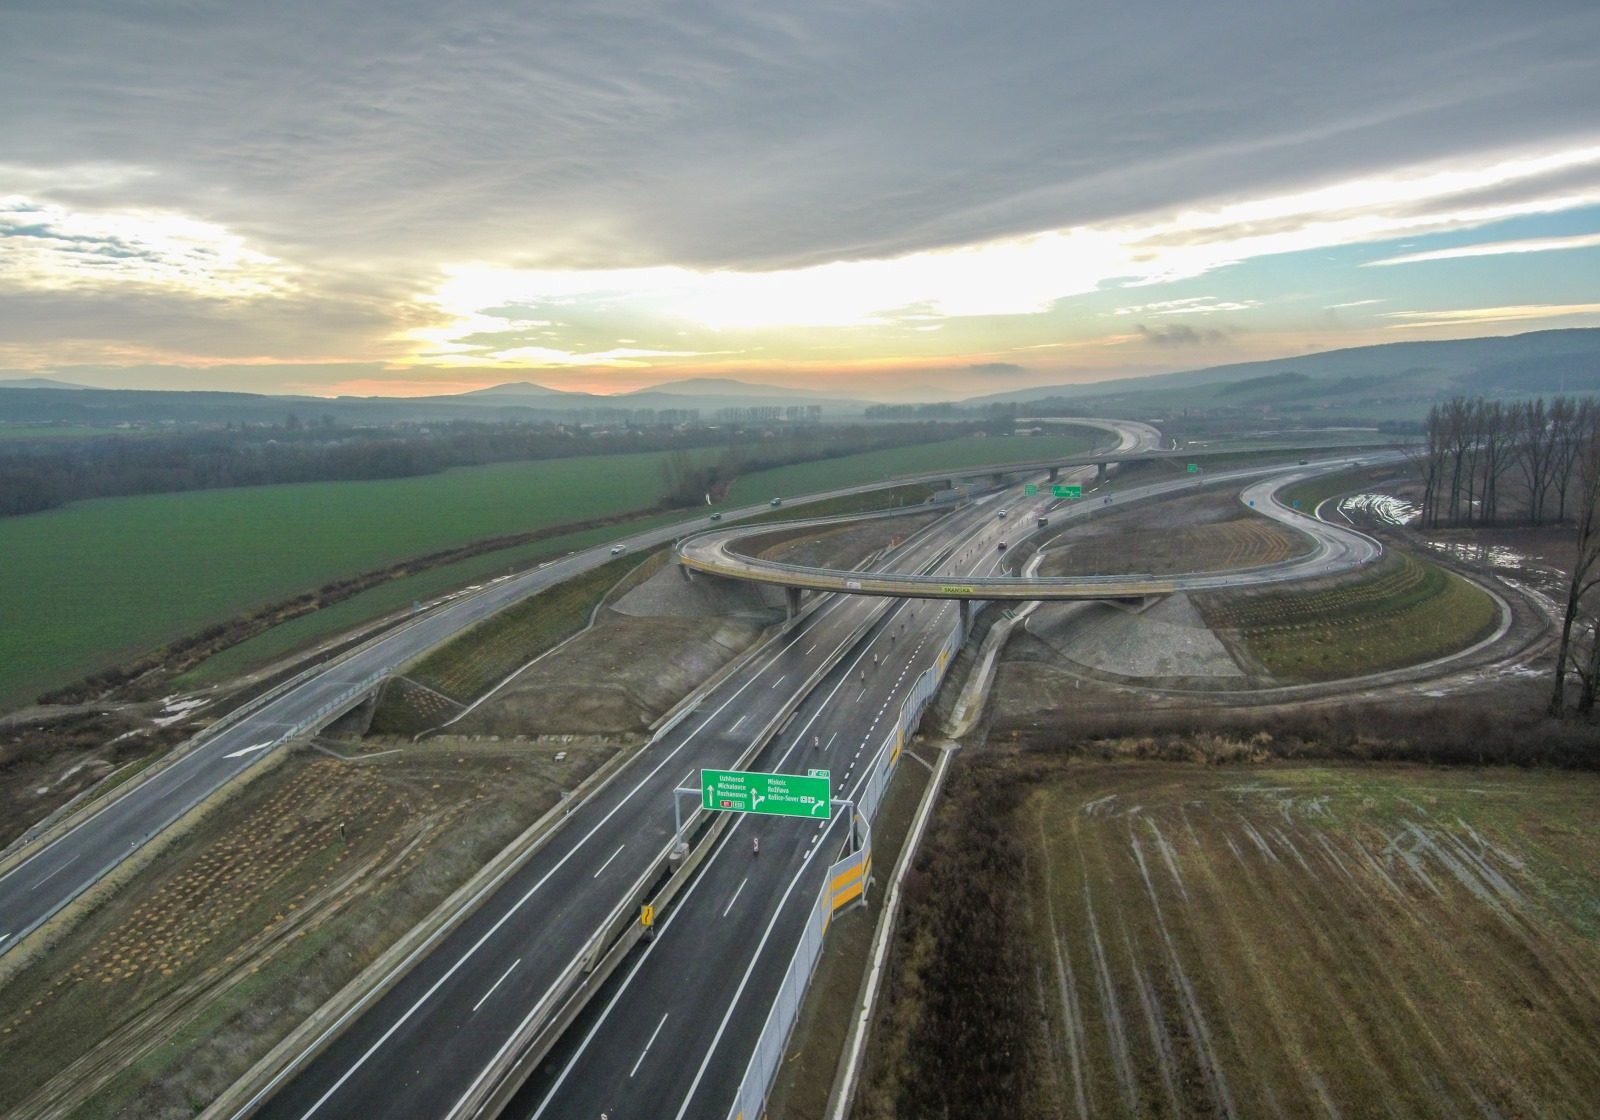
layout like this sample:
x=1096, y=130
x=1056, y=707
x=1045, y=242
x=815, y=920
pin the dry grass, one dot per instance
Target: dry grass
x=1246, y=541
x=1293, y=941
x=204, y=959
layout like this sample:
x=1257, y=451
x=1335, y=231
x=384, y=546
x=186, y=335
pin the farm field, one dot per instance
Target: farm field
x=1404, y=612
x=95, y=582
x=1248, y=941
x=956, y=454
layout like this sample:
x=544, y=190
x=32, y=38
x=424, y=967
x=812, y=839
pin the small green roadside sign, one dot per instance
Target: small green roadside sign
x=1194, y=468
x=1030, y=490
x=782, y=795
x=1061, y=491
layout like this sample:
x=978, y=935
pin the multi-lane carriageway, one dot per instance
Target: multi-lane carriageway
x=421, y=1048
x=42, y=877
x=675, y=1032
x=418, y=1048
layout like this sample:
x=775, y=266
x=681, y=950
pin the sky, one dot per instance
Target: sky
x=877, y=199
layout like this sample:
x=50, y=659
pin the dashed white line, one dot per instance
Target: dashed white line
x=607, y=863
x=647, y=1045
x=735, y=897
x=54, y=873
x=496, y=984
x=780, y=680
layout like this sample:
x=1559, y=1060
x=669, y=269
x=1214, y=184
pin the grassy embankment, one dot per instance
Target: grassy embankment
x=200, y=962
x=1404, y=612
x=461, y=671
x=1184, y=940
x=466, y=667
x=97, y=582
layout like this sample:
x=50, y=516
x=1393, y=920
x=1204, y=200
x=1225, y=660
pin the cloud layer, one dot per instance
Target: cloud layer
x=304, y=180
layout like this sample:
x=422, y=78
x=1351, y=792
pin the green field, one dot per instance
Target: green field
x=96, y=582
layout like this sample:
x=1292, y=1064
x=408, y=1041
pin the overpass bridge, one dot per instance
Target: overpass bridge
x=1335, y=549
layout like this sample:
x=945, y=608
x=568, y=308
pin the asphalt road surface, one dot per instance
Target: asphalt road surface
x=58, y=871
x=676, y=1033
x=422, y=1046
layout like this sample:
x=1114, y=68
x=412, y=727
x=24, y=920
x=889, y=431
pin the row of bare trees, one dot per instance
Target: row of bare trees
x=1529, y=462
x=1492, y=462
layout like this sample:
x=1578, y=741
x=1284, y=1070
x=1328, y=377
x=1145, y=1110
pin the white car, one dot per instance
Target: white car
x=615, y=549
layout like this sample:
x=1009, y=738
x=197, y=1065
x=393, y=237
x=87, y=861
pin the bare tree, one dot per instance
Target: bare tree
x=1585, y=565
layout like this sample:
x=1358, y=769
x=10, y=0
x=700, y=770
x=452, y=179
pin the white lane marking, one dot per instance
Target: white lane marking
x=248, y=750
x=3, y=936
x=54, y=873
x=811, y=647
x=780, y=680
x=506, y=917
x=735, y=897
x=495, y=985
x=499, y=922
x=647, y=1046
x=607, y=863
x=831, y=738
x=736, y=723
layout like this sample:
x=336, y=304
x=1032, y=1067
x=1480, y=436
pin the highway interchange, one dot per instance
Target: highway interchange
x=673, y=1031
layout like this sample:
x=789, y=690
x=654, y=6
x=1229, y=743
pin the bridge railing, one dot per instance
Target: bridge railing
x=846, y=881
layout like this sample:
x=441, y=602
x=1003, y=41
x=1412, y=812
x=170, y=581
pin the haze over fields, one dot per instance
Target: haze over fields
x=904, y=201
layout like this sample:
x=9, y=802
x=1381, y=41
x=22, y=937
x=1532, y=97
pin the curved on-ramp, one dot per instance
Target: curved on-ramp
x=1337, y=549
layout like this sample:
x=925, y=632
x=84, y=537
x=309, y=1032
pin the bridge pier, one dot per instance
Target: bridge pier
x=1055, y=473
x=1100, y=472
x=791, y=601
x=966, y=617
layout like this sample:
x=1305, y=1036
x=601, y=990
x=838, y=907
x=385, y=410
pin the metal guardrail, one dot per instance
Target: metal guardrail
x=846, y=881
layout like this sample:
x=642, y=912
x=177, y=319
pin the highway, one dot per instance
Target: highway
x=1336, y=549
x=59, y=867
x=716, y=965
x=428, y=1039
x=676, y=1033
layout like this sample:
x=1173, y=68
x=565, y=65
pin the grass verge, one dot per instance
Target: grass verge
x=1405, y=612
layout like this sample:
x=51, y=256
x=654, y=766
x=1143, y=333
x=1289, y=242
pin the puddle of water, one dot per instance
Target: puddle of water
x=1384, y=507
x=1494, y=555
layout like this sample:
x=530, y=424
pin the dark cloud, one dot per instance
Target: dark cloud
x=988, y=369
x=1182, y=334
x=750, y=132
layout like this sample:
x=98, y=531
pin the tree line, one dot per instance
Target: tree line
x=1529, y=462
x=1489, y=462
x=41, y=475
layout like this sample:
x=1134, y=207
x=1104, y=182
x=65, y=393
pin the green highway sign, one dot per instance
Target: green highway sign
x=1194, y=468
x=782, y=795
x=1061, y=491
x=1030, y=490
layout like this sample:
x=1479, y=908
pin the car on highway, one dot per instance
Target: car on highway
x=1002, y=547
x=716, y=517
x=776, y=502
x=616, y=549
x=1003, y=513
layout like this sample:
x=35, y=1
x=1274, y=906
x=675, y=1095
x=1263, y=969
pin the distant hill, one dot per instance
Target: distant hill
x=518, y=389
x=724, y=387
x=37, y=383
x=1397, y=379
